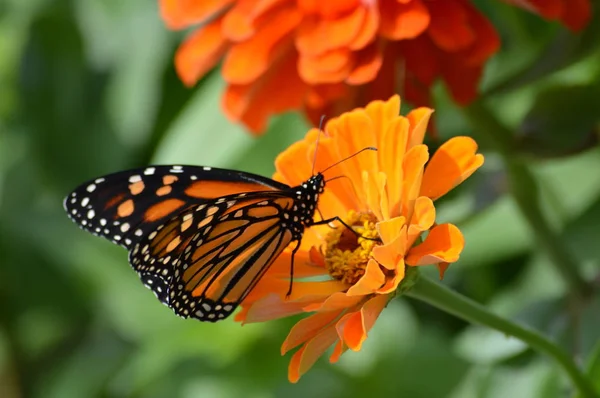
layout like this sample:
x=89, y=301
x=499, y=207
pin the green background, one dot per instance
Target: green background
x=87, y=87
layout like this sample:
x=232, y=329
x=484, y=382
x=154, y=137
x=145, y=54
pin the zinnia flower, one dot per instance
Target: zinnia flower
x=327, y=57
x=344, y=281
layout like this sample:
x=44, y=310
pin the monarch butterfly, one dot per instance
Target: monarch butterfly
x=199, y=237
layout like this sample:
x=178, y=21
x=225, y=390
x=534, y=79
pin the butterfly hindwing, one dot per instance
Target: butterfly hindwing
x=224, y=261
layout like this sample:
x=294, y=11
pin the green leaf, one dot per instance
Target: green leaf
x=593, y=368
x=562, y=121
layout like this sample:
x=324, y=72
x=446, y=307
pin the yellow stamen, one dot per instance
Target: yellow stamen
x=347, y=253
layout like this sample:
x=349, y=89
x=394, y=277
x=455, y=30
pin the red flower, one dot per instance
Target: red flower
x=327, y=57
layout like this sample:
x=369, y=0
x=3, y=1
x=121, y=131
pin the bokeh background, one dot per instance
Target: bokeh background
x=87, y=87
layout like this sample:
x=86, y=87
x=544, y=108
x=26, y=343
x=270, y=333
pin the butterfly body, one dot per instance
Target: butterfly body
x=200, y=238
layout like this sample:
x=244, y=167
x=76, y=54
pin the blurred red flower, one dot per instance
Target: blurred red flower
x=327, y=57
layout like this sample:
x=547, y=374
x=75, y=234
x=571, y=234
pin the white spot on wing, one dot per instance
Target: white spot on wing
x=91, y=187
x=135, y=178
x=149, y=171
x=91, y=214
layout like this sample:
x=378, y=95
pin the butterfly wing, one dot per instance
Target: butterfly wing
x=125, y=206
x=207, y=259
x=130, y=206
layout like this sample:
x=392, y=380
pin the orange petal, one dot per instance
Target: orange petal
x=317, y=35
x=352, y=132
x=337, y=301
x=353, y=328
x=305, y=357
x=270, y=307
x=368, y=63
x=391, y=283
x=368, y=30
x=391, y=254
x=442, y=267
x=382, y=114
x=390, y=229
x=253, y=103
x=250, y=59
x=372, y=280
x=451, y=164
x=200, y=52
x=242, y=20
x=375, y=195
x=422, y=219
x=328, y=9
x=390, y=151
x=308, y=328
x=443, y=244
x=179, y=14
x=403, y=21
x=418, y=122
x=338, y=350
x=331, y=67
x=412, y=167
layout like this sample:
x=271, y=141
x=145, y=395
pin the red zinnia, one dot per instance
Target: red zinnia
x=327, y=57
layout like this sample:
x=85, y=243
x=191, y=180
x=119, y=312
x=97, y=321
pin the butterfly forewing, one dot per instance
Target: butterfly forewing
x=125, y=206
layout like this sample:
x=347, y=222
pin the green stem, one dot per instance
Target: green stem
x=449, y=301
x=526, y=192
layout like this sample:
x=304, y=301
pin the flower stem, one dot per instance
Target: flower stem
x=454, y=303
x=525, y=190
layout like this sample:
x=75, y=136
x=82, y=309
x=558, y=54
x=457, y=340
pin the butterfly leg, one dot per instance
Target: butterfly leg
x=336, y=218
x=289, y=292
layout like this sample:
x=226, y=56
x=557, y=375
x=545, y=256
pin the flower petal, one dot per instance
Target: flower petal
x=308, y=328
x=412, y=167
x=305, y=357
x=367, y=65
x=422, y=219
x=200, y=52
x=352, y=328
x=372, y=280
x=318, y=35
x=269, y=43
x=419, y=120
x=179, y=14
x=253, y=103
x=443, y=244
x=390, y=255
x=451, y=164
x=401, y=21
x=389, y=230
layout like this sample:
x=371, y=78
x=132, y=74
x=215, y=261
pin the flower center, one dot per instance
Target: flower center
x=347, y=253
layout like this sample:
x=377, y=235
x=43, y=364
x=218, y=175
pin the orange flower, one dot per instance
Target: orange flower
x=326, y=57
x=345, y=281
x=575, y=14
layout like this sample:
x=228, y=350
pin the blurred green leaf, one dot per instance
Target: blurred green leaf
x=201, y=134
x=563, y=120
x=593, y=368
x=485, y=346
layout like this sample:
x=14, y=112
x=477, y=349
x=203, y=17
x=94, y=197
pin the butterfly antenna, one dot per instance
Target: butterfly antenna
x=335, y=178
x=312, y=172
x=369, y=148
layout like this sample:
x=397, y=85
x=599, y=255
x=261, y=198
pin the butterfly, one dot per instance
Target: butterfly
x=199, y=237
